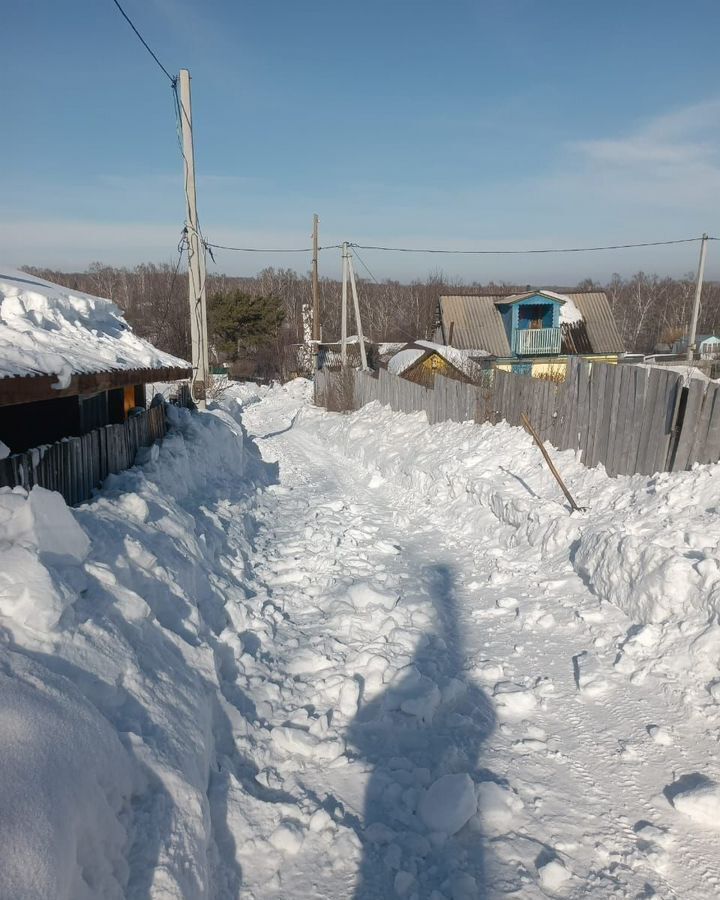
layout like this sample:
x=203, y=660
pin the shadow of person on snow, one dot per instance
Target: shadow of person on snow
x=429, y=722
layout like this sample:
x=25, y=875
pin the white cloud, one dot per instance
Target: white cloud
x=670, y=159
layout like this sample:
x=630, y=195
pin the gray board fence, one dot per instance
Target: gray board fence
x=632, y=419
x=75, y=466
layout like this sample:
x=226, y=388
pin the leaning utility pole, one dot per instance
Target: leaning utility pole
x=356, y=304
x=696, y=305
x=343, y=311
x=196, y=254
x=316, y=296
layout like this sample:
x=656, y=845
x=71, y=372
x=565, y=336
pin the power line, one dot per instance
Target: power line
x=182, y=244
x=518, y=252
x=357, y=247
x=144, y=42
x=272, y=249
x=362, y=263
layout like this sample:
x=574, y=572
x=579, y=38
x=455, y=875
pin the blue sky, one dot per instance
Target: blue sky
x=493, y=123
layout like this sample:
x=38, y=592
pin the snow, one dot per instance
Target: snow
x=46, y=329
x=301, y=654
x=553, y=875
x=449, y=803
x=569, y=313
x=401, y=361
x=386, y=347
x=67, y=784
x=700, y=801
x=461, y=359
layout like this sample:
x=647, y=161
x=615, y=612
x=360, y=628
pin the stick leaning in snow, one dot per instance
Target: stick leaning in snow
x=551, y=466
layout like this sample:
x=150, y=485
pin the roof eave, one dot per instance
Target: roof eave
x=33, y=388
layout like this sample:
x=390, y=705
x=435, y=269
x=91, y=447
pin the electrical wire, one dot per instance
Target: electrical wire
x=541, y=250
x=356, y=247
x=272, y=249
x=182, y=243
x=144, y=42
x=362, y=263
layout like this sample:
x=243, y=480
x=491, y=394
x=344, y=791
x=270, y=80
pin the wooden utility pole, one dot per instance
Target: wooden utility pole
x=356, y=304
x=316, y=295
x=343, y=311
x=196, y=254
x=696, y=305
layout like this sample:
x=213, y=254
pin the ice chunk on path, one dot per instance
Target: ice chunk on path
x=497, y=807
x=379, y=833
x=403, y=883
x=700, y=802
x=660, y=735
x=349, y=696
x=287, y=837
x=653, y=842
x=448, y=804
x=293, y=742
x=588, y=675
x=413, y=693
x=553, y=875
x=513, y=701
x=462, y=887
x=364, y=596
x=488, y=671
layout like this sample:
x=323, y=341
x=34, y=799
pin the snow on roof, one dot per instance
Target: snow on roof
x=569, y=313
x=461, y=359
x=46, y=329
x=385, y=347
x=404, y=359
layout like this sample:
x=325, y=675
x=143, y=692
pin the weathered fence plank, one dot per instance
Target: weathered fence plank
x=75, y=466
x=630, y=418
x=693, y=403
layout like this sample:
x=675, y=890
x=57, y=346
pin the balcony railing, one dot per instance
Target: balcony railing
x=531, y=341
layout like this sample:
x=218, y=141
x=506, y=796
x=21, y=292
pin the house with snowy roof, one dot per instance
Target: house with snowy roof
x=531, y=332
x=421, y=361
x=69, y=363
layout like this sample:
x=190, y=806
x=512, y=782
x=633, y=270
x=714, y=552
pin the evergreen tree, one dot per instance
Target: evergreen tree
x=242, y=322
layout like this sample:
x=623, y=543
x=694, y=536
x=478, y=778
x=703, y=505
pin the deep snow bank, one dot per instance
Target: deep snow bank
x=650, y=546
x=111, y=619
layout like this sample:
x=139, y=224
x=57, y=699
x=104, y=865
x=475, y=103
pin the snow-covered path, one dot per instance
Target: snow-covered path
x=398, y=650
x=359, y=657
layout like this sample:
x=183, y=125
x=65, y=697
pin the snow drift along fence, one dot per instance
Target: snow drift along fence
x=631, y=419
x=77, y=465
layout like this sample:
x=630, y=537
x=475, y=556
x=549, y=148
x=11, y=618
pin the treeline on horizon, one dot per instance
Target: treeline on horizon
x=650, y=311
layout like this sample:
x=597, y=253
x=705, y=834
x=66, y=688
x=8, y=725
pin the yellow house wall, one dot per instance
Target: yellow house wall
x=557, y=368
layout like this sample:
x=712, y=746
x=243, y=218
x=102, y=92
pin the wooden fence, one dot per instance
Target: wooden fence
x=632, y=419
x=77, y=465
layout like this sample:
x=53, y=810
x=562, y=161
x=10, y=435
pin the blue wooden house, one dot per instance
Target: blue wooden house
x=532, y=332
x=532, y=322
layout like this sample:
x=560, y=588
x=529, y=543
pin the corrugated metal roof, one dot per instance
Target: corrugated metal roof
x=599, y=321
x=479, y=325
